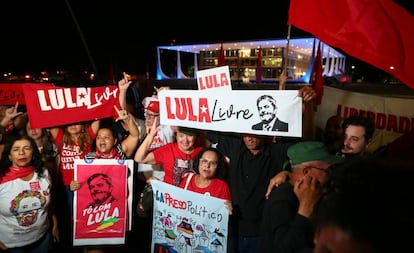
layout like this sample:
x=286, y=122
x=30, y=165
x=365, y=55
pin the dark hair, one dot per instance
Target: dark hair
x=36, y=160
x=369, y=198
x=84, y=139
x=222, y=171
x=49, y=151
x=107, y=123
x=357, y=120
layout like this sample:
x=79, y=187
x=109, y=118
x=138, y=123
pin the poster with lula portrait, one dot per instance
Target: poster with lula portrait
x=101, y=203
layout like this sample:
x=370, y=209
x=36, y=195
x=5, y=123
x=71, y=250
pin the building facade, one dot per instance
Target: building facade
x=250, y=61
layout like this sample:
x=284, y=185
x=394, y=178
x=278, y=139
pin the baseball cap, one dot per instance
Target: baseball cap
x=153, y=106
x=311, y=151
x=188, y=131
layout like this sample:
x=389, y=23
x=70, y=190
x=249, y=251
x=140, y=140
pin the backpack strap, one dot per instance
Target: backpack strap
x=188, y=180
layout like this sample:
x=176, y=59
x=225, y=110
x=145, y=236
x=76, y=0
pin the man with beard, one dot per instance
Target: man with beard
x=358, y=133
x=100, y=187
x=266, y=105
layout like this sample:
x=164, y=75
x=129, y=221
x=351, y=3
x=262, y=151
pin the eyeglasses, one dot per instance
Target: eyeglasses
x=150, y=115
x=212, y=164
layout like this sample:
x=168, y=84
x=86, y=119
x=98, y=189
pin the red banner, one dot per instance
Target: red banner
x=10, y=93
x=49, y=105
x=379, y=32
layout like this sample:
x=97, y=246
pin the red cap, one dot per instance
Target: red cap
x=153, y=106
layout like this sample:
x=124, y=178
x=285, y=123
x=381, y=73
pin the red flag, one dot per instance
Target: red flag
x=221, y=58
x=316, y=78
x=259, y=66
x=379, y=32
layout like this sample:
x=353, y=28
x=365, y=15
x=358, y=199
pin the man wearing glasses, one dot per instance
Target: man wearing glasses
x=286, y=223
x=165, y=134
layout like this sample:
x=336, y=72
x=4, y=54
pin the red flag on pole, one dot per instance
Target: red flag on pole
x=379, y=32
x=259, y=66
x=316, y=78
x=221, y=58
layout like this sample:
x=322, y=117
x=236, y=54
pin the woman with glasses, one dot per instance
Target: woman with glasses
x=164, y=134
x=211, y=175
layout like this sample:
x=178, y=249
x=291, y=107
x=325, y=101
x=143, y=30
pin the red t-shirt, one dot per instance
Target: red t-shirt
x=175, y=162
x=217, y=188
x=68, y=153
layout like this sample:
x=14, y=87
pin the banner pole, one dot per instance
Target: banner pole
x=283, y=76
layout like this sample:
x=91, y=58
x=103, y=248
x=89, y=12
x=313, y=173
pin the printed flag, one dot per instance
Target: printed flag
x=221, y=58
x=259, y=66
x=378, y=32
x=316, y=78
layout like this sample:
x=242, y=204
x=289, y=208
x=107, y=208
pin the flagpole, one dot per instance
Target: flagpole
x=83, y=40
x=282, y=81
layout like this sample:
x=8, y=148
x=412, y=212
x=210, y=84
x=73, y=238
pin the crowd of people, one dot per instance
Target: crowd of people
x=309, y=194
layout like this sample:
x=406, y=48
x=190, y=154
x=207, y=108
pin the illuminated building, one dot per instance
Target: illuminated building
x=183, y=61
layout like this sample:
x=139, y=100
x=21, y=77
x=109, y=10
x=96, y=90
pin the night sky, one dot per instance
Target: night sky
x=64, y=34
x=92, y=35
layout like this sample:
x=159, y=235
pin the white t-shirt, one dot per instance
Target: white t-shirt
x=23, y=210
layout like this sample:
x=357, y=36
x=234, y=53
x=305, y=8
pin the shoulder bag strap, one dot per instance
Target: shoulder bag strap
x=188, y=180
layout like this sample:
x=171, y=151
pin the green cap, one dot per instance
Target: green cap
x=311, y=151
x=188, y=131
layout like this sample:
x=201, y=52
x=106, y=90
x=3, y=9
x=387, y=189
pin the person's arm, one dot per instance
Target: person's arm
x=131, y=142
x=123, y=86
x=10, y=114
x=2, y=246
x=95, y=126
x=282, y=80
x=308, y=122
x=277, y=180
x=55, y=228
x=143, y=155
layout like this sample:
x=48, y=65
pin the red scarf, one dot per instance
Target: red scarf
x=15, y=173
x=113, y=154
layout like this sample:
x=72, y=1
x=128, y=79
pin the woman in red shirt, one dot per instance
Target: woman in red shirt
x=211, y=175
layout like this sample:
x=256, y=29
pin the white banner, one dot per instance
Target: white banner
x=214, y=79
x=392, y=116
x=233, y=110
x=185, y=221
